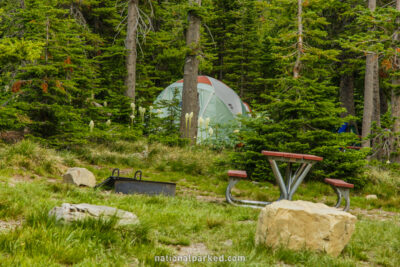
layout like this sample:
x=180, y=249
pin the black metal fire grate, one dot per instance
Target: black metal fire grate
x=136, y=185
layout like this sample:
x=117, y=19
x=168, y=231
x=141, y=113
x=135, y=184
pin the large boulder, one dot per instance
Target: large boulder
x=79, y=177
x=305, y=225
x=73, y=212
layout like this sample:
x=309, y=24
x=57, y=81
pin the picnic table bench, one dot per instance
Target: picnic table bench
x=342, y=189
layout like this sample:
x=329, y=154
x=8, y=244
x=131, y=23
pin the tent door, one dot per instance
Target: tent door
x=206, y=104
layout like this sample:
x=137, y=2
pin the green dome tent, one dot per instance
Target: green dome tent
x=217, y=101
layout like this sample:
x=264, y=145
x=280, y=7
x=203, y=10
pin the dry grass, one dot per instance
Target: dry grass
x=32, y=158
x=379, y=176
x=190, y=160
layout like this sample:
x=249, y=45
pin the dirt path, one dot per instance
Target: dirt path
x=375, y=214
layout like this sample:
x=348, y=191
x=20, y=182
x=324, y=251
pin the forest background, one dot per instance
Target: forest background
x=306, y=67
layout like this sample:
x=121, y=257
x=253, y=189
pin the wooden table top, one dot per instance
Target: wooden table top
x=291, y=155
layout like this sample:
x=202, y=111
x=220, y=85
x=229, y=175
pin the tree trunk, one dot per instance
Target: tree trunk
x=369, y=90
x=297, y=64
x=384, y=101
x=133, y=19
x=221, y=61
x=190, y=97
x=242, y=73
x=368, y=99
x=347, y=97
x=395, y=101
x=377, y=97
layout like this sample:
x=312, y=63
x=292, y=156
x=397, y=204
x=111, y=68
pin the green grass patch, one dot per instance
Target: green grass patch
x=167, y=225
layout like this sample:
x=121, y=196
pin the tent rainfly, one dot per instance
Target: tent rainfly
x=217, y=101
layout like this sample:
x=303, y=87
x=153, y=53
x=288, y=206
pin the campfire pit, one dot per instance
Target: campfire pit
x=136, y=185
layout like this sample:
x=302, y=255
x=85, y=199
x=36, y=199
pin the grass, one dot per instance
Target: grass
x=168, y=225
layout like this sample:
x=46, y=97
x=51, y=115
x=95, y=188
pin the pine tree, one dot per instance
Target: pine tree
x=63, y=81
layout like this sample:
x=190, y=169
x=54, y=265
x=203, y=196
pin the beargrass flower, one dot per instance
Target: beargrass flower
x=91, y=125
x=142, y=111
x=186, y=120
x=236, y=131
x=210, y=131
x=108, y=123
x=190, y=121
x=201, y=121
x=132, y=118
x=207, y=122
x=105, y=104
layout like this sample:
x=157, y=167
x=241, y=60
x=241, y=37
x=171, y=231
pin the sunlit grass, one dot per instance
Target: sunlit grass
x=166, y=223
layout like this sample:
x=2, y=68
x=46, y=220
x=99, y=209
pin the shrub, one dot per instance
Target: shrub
x=265, y=133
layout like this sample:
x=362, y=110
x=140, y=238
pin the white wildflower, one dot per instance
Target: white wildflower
x=91, y=126
x=105, y=104
x=207, y=122
x=201, y=121
x=210, y=131
x=236, y=131
x=142, y=111
x=108, y=123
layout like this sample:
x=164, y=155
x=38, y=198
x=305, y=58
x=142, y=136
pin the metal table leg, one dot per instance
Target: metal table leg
x=238, y=202
x=346, y=193
x=342, y=192
x=279, y=180
x=339, y=196
x=299, y=180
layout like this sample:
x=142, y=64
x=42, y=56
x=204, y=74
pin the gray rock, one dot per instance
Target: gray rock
x=79, y=177
x=73, y=212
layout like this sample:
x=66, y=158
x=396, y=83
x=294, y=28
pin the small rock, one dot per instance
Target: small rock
x=79, y=176
x=194, y=249
x=73, y=212
x=134, y=262
x=371, y=197
x=228, y=243
x=305, y=225
x=9, y=225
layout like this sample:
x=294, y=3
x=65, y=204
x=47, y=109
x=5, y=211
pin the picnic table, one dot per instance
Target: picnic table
x=287, y=186
x=293, y=178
